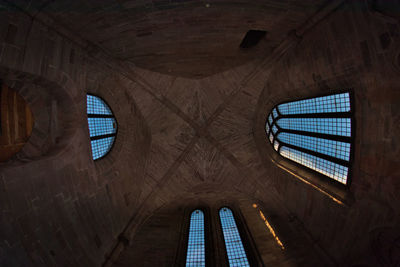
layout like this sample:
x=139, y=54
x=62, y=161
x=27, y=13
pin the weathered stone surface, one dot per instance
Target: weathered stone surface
x=191, y=109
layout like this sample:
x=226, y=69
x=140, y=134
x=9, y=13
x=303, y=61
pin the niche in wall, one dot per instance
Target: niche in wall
x=16, y=122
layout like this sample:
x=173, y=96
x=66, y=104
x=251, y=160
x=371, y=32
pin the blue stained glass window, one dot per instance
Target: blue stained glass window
x=95, y=105
x=196, y=244
x=100, y=147
x=102, y=126
x=233, y=243
x=326, y=167
x=328, y=147
x=325, y=104
x=332, y=126
x=274, y=129
x=315, y=132
x=275, y=113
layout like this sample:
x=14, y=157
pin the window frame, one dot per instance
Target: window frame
x=102, y=116
x=209, y=257
x=245, y=237
x=351, y=139
x=188, y=233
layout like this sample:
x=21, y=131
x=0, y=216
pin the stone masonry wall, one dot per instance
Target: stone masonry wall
x=356, y=48
x=58, y=207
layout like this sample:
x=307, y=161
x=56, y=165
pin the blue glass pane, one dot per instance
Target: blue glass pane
x=102, y=126
x=196, y=244
x=267, y=128
x=274, y=129
x=233, y=243
x=96, y=105
x=325, y=104
x=100, y=147
x=332, y=126
x=270, y=119
x=328, y=168
x=340, y=150
x=275, y=113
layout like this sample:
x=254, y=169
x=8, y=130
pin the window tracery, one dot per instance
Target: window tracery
x=233, y=243
x=315, y=132
x=102, y=126
x=196, y=243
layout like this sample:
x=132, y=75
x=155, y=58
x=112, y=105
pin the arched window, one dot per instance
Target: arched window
x=316, y=133
x=233, y=243
x=102, y=126
x=196, y=243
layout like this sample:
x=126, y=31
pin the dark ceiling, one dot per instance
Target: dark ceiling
x=191, y=39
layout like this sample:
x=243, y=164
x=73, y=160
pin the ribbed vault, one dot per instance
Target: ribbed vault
x=191, y=108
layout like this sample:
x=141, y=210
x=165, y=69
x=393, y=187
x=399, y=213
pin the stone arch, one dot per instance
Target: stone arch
x=54, y=111
x=132, y=127
x=16, y=122
x=270, y=97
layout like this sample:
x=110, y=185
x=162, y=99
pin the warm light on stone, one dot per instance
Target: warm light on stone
x=191, y=99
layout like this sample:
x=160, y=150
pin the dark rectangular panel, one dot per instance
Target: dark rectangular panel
x=252, y=38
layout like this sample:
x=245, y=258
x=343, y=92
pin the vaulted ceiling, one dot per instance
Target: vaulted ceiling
x=190, y=80
x=201, y=129
x=183, y=38
x=191, y=107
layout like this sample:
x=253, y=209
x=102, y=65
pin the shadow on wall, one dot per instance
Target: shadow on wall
x=385, y=246
x=53, y=111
